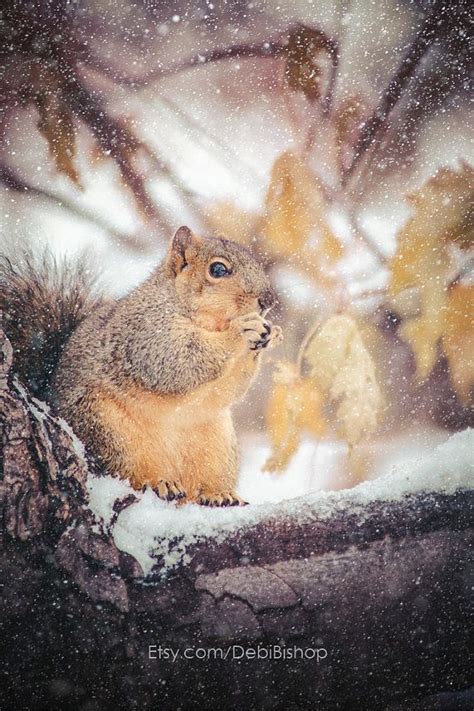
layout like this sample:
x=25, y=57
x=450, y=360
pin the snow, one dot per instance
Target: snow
x=42, y=411
x=447, y=468
x=219, y=128
x=151, y=528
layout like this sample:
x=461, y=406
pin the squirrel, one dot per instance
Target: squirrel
x=147, y=381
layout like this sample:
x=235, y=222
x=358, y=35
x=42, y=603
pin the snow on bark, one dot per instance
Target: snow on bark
x=376, y=576
x=150, y=529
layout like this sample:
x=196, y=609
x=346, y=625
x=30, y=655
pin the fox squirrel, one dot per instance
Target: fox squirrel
x=147, y=381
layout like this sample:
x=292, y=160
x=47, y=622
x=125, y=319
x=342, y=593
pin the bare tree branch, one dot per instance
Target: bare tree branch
x=265, y=49
x=435, y=23
x=13, y=181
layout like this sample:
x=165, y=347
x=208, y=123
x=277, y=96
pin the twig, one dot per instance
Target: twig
x=329, y=96
x=264, y=50
x=374, y=127
x=305, y=342
x=114, y=138
x=369, y=293
x=157, y=163
x=12, y=181
x=326, y=104
x=371, y=246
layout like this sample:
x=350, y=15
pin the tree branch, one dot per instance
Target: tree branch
x=13, y=181
x=437, y=20
x=263, y=50
x=78, y=623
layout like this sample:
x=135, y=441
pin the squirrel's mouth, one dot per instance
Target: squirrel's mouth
x=244, y=306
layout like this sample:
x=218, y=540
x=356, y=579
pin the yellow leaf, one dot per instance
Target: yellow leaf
x=442, y=215
x=458, y=340
x=344, y=371
x=295, y=215
x=56, y=122
x=302, y=71
x=294, y=407
x=444, y=205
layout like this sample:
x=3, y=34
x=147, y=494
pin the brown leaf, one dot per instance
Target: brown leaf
x=56, y=122
x=444, y=206
x=302, y=71
x=347, y=119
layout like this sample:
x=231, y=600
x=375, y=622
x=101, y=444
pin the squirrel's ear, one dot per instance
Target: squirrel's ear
x=181, y=243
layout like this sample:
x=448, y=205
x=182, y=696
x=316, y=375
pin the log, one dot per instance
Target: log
x=366, y=608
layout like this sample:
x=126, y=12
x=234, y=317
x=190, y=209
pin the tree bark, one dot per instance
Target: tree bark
x=373, y=602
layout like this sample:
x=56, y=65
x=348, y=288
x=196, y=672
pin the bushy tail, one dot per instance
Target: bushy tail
x=41, y=303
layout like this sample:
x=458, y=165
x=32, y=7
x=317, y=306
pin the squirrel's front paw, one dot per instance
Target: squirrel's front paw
x=275, y=337
x=258, y=332
x=169, y=490
x=270, y=338
x=223, y=498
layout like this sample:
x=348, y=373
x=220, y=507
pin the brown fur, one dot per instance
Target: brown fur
x=148, y=381
x=40, y=305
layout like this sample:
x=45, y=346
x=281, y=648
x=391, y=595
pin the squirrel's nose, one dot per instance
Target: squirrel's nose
x=266, y=299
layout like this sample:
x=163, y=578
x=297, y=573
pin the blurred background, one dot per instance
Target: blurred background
x=331, y=137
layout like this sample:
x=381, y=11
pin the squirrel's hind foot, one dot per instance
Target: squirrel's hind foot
x=169, y=490
x=224, y=498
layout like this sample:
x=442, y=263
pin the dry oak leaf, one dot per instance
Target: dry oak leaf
x=302, y=71
x=56, y=121
x=343, y=369
x=295, y=407
x=442, y=215
x=295, y=214
x=458, y=340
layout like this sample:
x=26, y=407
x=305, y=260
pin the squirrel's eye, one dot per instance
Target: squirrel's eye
x=217, y=270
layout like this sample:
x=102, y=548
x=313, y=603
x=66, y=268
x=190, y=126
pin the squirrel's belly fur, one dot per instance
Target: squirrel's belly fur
x=170, y=438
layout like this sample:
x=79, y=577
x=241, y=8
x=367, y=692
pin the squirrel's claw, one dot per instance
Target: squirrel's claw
x=169, y=490
x=273, y=335
x=225, y=498
x=258, y=331
x=262, y=342
x=276, y=336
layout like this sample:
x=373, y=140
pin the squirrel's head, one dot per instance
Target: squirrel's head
x=217, y=278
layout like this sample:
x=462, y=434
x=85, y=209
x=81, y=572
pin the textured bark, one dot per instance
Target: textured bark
x=384, y=590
